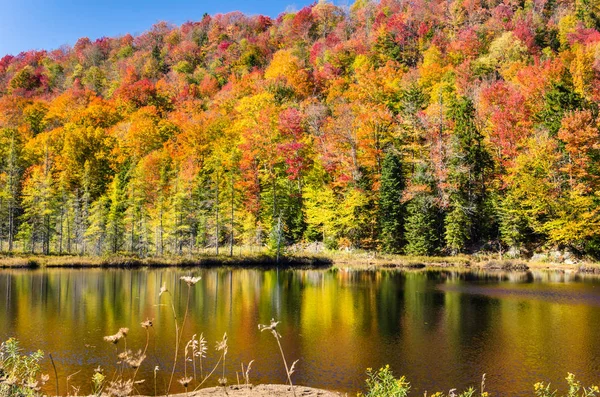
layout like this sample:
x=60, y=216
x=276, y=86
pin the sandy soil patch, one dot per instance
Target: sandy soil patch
x=262, y=391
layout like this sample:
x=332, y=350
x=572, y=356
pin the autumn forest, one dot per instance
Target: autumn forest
x=420, y=127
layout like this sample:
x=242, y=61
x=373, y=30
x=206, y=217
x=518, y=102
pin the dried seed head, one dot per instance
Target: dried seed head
x=271, y=327
x=119, y=388
x=293, y=367
x=202, y=347
x=190, y=281
x=163, y=289
x=135, y=360
x=191, y=345
x=185, y=381
x=122, y=333
x=222, y=345
x=45, y=378
x=114, y=338
x=146, y=324
x=124, y=355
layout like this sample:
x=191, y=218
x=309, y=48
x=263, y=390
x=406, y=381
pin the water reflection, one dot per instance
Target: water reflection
x=441, y=329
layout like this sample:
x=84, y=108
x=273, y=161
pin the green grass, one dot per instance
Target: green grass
x=124, y=261
x=253, y=257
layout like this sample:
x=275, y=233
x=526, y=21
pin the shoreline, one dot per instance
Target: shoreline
x=277, y=390
x=298, y=261
x=124, y=262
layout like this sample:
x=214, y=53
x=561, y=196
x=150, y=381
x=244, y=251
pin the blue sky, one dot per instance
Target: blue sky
x=39, y=24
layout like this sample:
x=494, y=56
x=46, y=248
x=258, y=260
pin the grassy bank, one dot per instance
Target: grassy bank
x=128, y=262
x=299, y=260
x=357, y=260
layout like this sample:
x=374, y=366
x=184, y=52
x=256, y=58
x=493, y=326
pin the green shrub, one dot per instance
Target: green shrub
x=19, y=373
x=575, y=389
x=383, y=384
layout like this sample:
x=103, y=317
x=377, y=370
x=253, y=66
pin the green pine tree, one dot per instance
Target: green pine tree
x=39, y=211
x=465, y=222
x=115, y=225
x=95, y=233
x=391, y=208
x=560, y=99
x=421, y=222
x=10, y=179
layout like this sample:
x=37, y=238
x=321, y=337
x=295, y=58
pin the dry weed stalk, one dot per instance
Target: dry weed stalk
x=120, y=388
x=198, y=348
x=222, y=347
x=246, y=373
x=68, y=380
x=155, y=371
x=288, y=370
x=119, y=385
x=190, y=281
x=146, y=325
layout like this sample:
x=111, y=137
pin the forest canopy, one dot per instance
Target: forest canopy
x=420, y=127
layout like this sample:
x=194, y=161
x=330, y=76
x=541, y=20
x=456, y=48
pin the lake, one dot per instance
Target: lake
x=442, y=329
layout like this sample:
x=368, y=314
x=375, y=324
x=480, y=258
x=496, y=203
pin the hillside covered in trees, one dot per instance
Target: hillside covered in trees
x=417, y=127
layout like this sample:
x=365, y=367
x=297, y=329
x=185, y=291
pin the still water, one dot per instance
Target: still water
x=442, y=329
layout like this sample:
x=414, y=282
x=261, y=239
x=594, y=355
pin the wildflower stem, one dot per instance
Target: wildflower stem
x=179, y=334
x=287, y=371
x=194, y=363
x=211, y=372
x=176, y=342
x=143, y=354
x=55, y=374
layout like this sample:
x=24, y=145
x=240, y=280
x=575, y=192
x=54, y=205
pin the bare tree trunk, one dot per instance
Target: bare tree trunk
x=85, y=214
x=12, y=170
x=1, y=235
x=160, y=231
x=278, y=237
x=232, y=204
x=47, y=235
x=62, y=214
x=10, y=225
x=217, y=217
x=68, y=233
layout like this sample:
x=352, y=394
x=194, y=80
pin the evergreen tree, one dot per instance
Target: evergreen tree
x=65, y=218
x=514, y=228
x=82, y=212
x=179, y=215
x=136, y=215
x=115, y=225
x=421, y=222
x=160, y=215
x=466, y=218
x=95, y=234
x=38, y=204
x=283, y=199
x=10, y=181
x=560, y=100
x=391, y=209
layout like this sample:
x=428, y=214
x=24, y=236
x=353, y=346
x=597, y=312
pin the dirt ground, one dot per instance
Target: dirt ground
x=262, y=391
